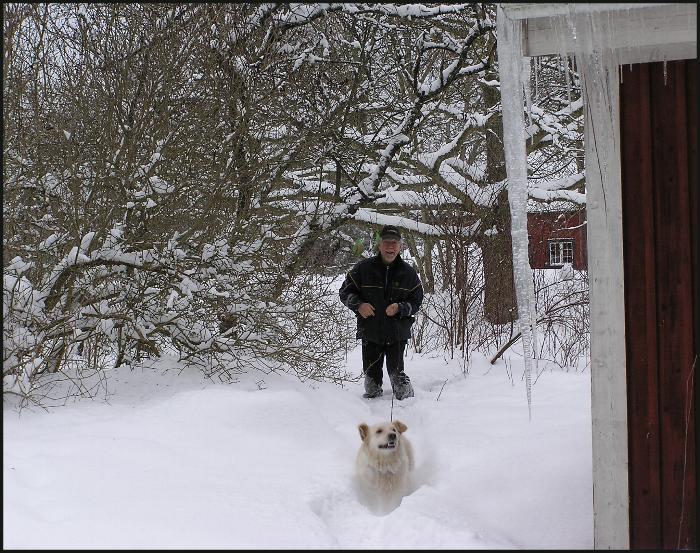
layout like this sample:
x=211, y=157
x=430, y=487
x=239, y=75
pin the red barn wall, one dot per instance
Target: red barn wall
x=658, y=121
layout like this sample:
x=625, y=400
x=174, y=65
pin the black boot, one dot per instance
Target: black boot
x=372, y=389
x=401, y=385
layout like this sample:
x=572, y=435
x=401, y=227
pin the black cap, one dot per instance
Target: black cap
x=390, y=232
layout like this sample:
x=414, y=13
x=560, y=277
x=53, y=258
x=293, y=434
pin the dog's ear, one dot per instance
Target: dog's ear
x=364, y=430
x=401, y=427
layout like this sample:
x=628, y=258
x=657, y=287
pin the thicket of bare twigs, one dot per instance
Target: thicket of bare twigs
x=188, y=178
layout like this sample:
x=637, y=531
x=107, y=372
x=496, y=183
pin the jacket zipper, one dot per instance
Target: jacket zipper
x=386, y=284
x=387, y=322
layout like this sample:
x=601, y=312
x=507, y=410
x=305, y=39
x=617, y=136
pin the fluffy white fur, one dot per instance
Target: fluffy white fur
x=383, y=465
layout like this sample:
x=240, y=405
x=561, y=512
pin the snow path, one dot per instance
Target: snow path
x=179, y=462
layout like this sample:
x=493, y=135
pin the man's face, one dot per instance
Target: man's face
x=389, y=248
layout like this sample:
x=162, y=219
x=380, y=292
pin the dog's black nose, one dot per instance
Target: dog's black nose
x=392, y=436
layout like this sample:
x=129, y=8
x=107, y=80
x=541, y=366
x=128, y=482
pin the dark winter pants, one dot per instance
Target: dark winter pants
x=372, y=367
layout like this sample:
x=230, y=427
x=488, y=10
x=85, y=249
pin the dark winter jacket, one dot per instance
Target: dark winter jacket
x=371, y=281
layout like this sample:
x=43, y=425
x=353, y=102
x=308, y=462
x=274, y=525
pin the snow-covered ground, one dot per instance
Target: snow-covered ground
x=175, y=461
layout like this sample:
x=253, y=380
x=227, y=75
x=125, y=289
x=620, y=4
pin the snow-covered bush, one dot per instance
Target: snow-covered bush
x=136, y=203
x=170, y=170
x=452, y=319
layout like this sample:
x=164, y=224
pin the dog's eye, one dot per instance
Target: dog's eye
x=379, y=431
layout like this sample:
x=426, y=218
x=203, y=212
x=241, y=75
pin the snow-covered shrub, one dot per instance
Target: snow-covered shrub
x=452, y=320
x=171, y=172
x=563, y=316
x=138, y=209
x=22, y=336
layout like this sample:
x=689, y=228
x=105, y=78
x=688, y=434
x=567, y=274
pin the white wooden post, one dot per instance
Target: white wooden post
x=606, y=279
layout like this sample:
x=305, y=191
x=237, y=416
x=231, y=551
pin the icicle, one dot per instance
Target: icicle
x=510, y=58
x=537, y=71
x=665, y=72
x=565, y=61
x=594, y=32
x=596, y=76
x=533, y=319
x=560, y=64
x=561, y=34
x=572, y=20
x=572, y=27
x=525, y=78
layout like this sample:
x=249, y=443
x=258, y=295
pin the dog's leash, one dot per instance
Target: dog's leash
x=391, y=415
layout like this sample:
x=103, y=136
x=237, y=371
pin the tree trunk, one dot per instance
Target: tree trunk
x=500, y=304
x=424, y=262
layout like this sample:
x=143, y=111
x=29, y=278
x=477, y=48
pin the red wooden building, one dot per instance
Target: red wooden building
x=557, y=237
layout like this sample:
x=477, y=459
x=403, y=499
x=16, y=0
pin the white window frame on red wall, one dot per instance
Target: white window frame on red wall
x=560, y=251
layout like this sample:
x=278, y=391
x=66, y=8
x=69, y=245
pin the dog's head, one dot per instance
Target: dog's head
x=382, y=437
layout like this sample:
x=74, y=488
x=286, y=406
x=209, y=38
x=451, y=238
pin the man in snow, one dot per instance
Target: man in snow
x=385, y=293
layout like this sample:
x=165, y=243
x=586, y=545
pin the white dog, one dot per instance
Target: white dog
x=383, y=465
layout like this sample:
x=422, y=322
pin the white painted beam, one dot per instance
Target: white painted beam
x=654, y=32
x=516, y=10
